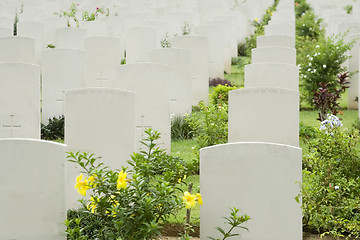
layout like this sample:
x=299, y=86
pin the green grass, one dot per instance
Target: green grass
x=236, y=77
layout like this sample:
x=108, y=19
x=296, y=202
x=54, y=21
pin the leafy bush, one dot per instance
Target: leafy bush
x=218, y=81
x=54, y=129
x=308, y=25
x=180, y=128
x=210, y=125
x=301, y=7
x=331, y=184
x=127, y=208
x=323, y=63
x=220, y=94
x=306, y=132
x=326, y=101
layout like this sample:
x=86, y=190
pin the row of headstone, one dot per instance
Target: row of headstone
x=106, y=105
x=260, y=167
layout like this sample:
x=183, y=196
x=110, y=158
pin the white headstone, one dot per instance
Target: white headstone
x=101, y=121
x=198, y=46
x=253, y=116
x=70, y=38
x=279, y=75
x=34, y=30
x=5, y=32
x=261, y=179
x=138, y=40
x=274, y=54
x=62, y=69
x=94, y=28
x=215, y=35
x=36, y=211
x=17, y=49
x=151, y=83
x=275, y=41
x=280, y=29
x=19, y=100
x=179, y=61
x=104, y=54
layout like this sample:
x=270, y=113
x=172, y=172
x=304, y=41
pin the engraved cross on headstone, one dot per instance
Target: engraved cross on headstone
x=142, y=126
x=101, y=78
x=11, y=125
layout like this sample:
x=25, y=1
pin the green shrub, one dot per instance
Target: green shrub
x=331, y=184
x=210, y=125
x=306, y=132
x=301, y=7
x=126, y=207
x=54, y=129
x=323, y=63
x=180, y=128
x=220, y=94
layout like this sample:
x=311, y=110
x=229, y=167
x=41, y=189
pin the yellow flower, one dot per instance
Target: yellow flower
x=199, y=199
x=81, y=185
x=189, y=200
x=122, y=181
x=256, y=20
x=271, y=13
x=91, y=180
x=92, y=205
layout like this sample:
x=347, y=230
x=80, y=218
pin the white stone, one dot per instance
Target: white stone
x=17, y=49
x=36, y=209
x=275, y=41
x=94, y=28
x=215, y=35
x=138, y=40
x=101, y=121
x=151, y=83
x=70, y=38
x=261, y=179
x=267, y=74
x=20, y=100
x=34, y=30
x=104, y=54
x=280, y=29
x=5, y=32
x=253, y=116
x=179, y=61
x=62, y=69
x=198, y=45
x=274, y=54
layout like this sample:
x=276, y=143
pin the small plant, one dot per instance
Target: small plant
x=326, y=97
x=186, y=29
x=50, y=45
x=54, y=129
x=349, y=9
x=127, y=204
x=71, y=14
x=16, y=20
x=190, y=201
x=165, y=42
x=180, y=128
x=86, y=16
x=234, y=221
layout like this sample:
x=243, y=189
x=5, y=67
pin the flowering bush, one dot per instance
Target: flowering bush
x=323, y=64
x=220, y=94
x=129, y=204
x=331, y=184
